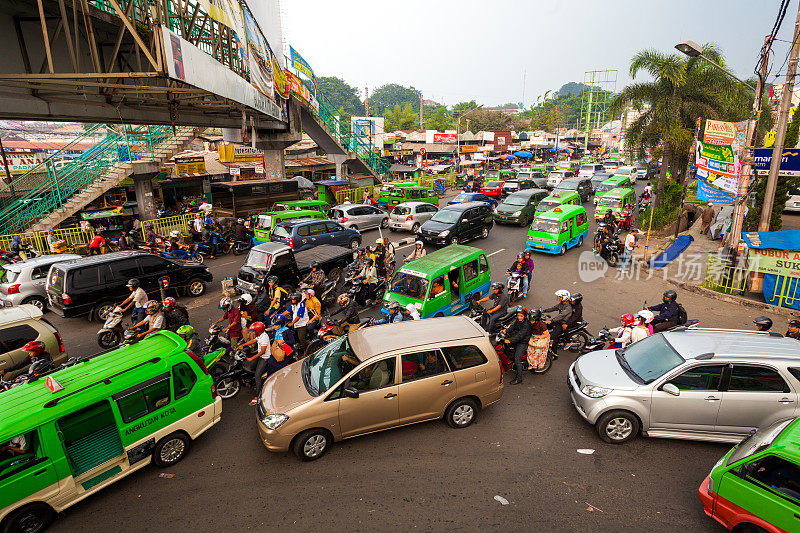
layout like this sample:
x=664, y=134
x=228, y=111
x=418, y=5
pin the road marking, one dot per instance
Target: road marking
x=497, y=252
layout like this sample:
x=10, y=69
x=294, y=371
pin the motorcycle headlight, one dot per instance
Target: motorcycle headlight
x=445, y=233
x=516, y=213
x=593, y=391
x=274, y=421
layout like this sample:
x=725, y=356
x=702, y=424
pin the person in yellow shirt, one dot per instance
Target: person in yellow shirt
x=314, y=307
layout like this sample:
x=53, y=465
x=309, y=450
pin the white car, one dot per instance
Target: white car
x=631, y=172
x=588, y=170
x=793, y=203
x=557, y=176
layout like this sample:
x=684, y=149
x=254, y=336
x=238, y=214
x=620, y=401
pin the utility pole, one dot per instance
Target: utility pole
x=421, y=126
x=780, y=131
x=366, y=99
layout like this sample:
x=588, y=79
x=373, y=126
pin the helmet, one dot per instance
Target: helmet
x=273, y=279
x=310, y=293
x=411, y=308
x=535, y=314
x=343, y=300
x=246, y=299
x=168, y=302
x=795, y=323
x=258, y=327
x=240, y=221
x=152, y=307
x=498, y=286
x=627, y=320
x=576, y=298
x=394, y=304
x=133, y=283
x=670, y=295
x=379, y=240
x=185, y=332
x=370, y=262
x=279, y=319
x=646, y=315
x=314, y=264
x=174, y=234
x=562, y=294
x=763, y=323
x=297, y=296
x=608, y=212
x=526, y=252
x=225, y=303
x=51, y=230
x=522, y=309
x=417, y=243
x=520, y=255
x=37, y=347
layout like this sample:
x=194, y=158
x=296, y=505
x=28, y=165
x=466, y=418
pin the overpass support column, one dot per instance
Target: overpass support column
x=341, y=165
x=143, y=174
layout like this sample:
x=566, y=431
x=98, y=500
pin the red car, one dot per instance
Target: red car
x=493, y=189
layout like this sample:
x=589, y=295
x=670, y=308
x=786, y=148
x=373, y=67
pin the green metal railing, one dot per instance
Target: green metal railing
x=50, y=184
x=723, y=277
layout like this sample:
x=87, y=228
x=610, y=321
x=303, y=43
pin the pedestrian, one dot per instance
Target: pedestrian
x=707, y=217
x=52, y=240
x=137, y=225
x=539, y=343
x=627, y=253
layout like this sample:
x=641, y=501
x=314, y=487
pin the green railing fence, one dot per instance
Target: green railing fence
x=722, y=276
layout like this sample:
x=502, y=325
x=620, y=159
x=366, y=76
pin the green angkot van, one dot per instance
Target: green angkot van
x=559, y=229
x=266, y=222
x=617, y=200
x=386, y=190
x=302, y=205
x=415, y=193
x=756, y=485
x=611, y=183
x=442, y=282
x=558, y=199
x=86, y=426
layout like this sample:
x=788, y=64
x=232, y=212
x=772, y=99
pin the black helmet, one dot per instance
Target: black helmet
x=670, y=295
x=314, y=264
x=296, y=296
x=522, y=309
x=521, y=255
x=763, y=323
x=370, y=262
x=394, y=304
x=498, y=286
x=576, y=298
x=535, y=314
x=133, y=283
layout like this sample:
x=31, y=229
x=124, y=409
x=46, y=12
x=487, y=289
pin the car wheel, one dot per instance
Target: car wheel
x=461, y=413
x=102, y=311
x=415, y=227
x=384, y=223
x=31, y=518
x=196, y=288
x=563, y=249
x=37, y=301
x=484, y=233
x=312, y=444
x=170, y=450
x=452, y=240
x=580, y=241
x=617, y=427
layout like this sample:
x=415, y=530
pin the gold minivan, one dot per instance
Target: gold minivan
x=379, y=378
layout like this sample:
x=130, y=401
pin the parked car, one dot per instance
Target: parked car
x=599, y=178
x=410, y=216
x=493, y=189
x=94, y=285
x=520, y=207
x=588, y=170
x=458, y=223
x=792, y=204
x=557, y=176
x=20, y=325
x=582, y=186
x=641, y=171
x=512, y=186
x=460, y=198
x=688, y=383
x=539, y=179
x=445, y=368
x=359, y=216
x=24, y=281
x=306, y=233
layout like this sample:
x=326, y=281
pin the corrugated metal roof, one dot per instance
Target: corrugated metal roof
x=307, y=161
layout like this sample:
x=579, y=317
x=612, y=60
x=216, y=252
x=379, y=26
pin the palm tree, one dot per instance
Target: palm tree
x=682, y=90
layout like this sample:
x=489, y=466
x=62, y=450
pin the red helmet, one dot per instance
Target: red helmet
x=257, y=327
x=37, y=347
x=627, y=320
x=168, y=302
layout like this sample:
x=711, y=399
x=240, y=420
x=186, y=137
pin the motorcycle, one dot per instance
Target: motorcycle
x=604, y=340
x=574, y=338
x=328, y=296
x=515, y=287
x=478, y=313
x=241, y=247
x=110, y=335
x=184, y=254
x=625, y=219
x=327, y=332
x=34, y=372
x=215, y=341
x=612, y=250
x=506, y=354
x=643, y=205
x=228, y=381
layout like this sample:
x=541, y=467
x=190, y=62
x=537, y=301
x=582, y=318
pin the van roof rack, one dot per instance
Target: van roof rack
x=723, y=330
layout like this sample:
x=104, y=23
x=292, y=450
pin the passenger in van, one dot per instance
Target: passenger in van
x=437, y=288
x=432, y=364
x=15, y=447
x=155, y=320
x=372, y=377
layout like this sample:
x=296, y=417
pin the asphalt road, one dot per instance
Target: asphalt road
x=428, y=476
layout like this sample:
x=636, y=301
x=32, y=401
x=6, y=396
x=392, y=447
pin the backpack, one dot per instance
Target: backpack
x=682, y=317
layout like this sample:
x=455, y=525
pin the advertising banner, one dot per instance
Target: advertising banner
x=229, y=13
x=709, y=193
x=302, y=65
x=366, y=128
x=469, y=148
x=718, y=132
x=21, y=163
x=717, y=159
x=190, y=165
x=790, y=161
x=281, y=83
x=299, y=89
x=779, y=262
x=444, y=137
x=258, y=56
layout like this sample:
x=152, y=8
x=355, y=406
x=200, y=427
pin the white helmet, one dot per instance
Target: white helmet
x=562, y=294
x=246, y=299
x=646, y=315
x=174, y=233
x=418, y=243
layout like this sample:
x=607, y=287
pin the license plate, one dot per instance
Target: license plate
x=539, y=246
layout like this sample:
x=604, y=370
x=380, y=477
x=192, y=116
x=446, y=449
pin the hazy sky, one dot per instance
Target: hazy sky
x=462, y=50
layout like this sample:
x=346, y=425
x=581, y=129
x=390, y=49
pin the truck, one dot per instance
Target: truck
x=277, y=259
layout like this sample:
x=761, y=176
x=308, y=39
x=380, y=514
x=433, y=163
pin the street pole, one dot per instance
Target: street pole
x=5, y=161
x=780, y=131
x=421, y=127
x=686, y=177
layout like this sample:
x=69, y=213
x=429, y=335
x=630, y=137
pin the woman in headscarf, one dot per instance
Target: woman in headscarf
x=539, y=343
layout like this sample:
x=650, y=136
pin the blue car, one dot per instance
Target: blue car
x=473, y=197
x=305, y=233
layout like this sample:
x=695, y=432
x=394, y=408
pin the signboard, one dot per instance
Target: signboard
x=390, y=153
x=718, y=132
x=302, y=65
x=717, y=160
x=235, y=171
x=259, y=169
x=190, y=165
x=281, y=83
x=709, y=193
x=469, y=149
x=106, y=213
x=790, y=161
x=298, y=88
x=367, y=128
x=444, y=137
x=769, y=139
x=779, y=262
x=21, y=163
x=258, y=56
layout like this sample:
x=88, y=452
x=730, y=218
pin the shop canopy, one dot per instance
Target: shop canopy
x=523, y=153
x=507, y=156
x=471, y=163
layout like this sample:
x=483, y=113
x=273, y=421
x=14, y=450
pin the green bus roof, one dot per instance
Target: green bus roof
x=567, y=211
x=295, y=213
x=618, y=192
x=789, y=440
x=616, y=179
x=441, y=261
x=23, y=407
x=302, y=203
x=562, y=196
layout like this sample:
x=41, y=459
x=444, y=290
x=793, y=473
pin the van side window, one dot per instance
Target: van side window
x=437, y=287
x=374, y=376
x=780, y=476
x=461, y=357
x=125, y=269
x=423, y=364
x=183, y=379
x=580, y=220
x=16, y=337
x=484, y=264
x=471, y=270
x=19, y=453
x=144, y=398
x=302, y=231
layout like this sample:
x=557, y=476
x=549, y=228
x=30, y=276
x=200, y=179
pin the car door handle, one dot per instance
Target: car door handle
x=447, y=382
x=390, y=395
x=712, y=399
x=785, y=400
x=40, y=472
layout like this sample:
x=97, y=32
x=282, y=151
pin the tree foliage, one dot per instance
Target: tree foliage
x=400, y=118
x=792, y=131
x=438, y=119
x=386, y=97
x=342, y=95
x=462, y=107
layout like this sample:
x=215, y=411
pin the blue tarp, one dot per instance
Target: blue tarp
x=523, y=153
x=675, y=249
x=780, y=290
x=773, y=240
x=332, y=182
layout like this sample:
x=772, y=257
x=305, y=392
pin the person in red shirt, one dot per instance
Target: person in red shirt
x=97, y=242
x=234, y=318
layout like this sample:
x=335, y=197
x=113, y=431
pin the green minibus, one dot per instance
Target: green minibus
x=611, y=183
x=79, y=429
x=386, y=190
x=302, y=205
x=266, y=222
x=415, y=193
x=559, y=229
x=557, y=199
x=616, y=200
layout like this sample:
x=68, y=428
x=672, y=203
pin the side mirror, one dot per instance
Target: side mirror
x=669, y=388
x=464, y=220
x=350, y=392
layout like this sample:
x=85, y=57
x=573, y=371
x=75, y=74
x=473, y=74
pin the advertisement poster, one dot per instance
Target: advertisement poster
x=259, y=57
x=717, y=159
x=444, y=137
x=302, y=65
x=790, y=161
x=709, y=193
x=281, y=83
x=229, y=13
x=190, y=165
x=366, y=128
x=779, y=262
x=718, y=132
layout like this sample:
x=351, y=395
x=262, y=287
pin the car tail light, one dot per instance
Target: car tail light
x=343, y=220
x=60, y=342
x=13, y=289
x=409, y=218
x=65, y=299
x=197, y=360
x=291, y=241
x=213, y=391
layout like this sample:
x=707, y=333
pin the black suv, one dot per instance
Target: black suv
x=582, y=186
x=458, y=223
x=93, y=285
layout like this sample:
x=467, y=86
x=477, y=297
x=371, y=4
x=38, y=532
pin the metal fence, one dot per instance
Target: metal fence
x=355, y=196
x=162, y=226
x=723, y=277
x=785, y=292
x=38, y=240
x=428, y=180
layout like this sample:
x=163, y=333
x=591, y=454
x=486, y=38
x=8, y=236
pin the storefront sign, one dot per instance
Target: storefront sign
x=281, y=83
x=790, y=161
x=21, y=163
x=444, y=137
x=395, y=153
x=779, y=262
x=235, y=171
x=469, y=149
x=190, y=165
x=718, y=132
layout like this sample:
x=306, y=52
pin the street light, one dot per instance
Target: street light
x=458, y=135
x=692, y=49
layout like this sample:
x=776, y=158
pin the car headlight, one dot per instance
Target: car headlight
x=516, y=213
x=593, y=391
x=274, y=421
x=444, y=233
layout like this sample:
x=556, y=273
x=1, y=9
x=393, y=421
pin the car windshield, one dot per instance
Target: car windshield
x=650, y=358
x=264, y=222
x=605, y=201
x=568, y=185
x=401, y=210
x=446, y=216
x=511, y=185
x=547, y=205
x=587, y=168
x=493, y=184
x=386, y=188
x=624, y=171
x=524, y=175
x=758, y=441
x=556, y=175
x=259, y=259
x=326, y=367
x=463, y=197
x=516, y=200
x=492, y=173
x=410, y=285
x=546, y=225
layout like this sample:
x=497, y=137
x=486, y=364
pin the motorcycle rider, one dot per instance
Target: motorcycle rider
x=763, y=323
x=794, y=329
x=314, y=307
x=647, y=317
x=234, y=318
x=150, y=236
x=16, y=246
x=358, y=262
x=527, y=254
x=315, y=278
x=174, y=241
x=368, y=277
x=609, y=219
x=261, y=338
x=38, y=358
x=498, y=308
x=277, y=297
x=137, y=299
x=668, y=312
x=640, y=329
x=155, y=319
x=241, y=233
x=623, y=333
x=563, y=310
x=397, y=313
x=519, y=267
x=390, y=250
x=175, y=314
x=299, y=317
x=412, y=312
x=418, y=252
x=186, y=332
x=518, y=333
x=249, y=314
x=349, y=310
x=575, y=300
x=380, y=258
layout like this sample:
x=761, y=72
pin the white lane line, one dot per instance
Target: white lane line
x=497, y=252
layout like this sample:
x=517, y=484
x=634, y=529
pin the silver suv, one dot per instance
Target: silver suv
x=688, y=383
x=24, y=282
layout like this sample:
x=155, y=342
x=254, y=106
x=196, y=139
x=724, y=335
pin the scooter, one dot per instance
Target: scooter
x=240, y=247
x=110, y=335
x=604, y=340
x=185, y=254
x=575, y=337
x=515, y=287
x=612, y=250
x=228, y=382
x=625, y=219
x=479, y=314
x=327, y=332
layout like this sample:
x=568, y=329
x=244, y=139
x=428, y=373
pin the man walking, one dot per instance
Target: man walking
x=707, y=217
